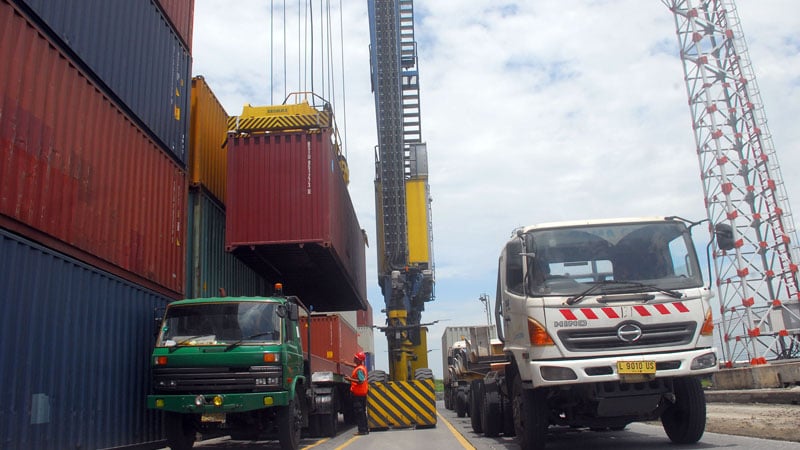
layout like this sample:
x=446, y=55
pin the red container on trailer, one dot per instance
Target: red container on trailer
x=77, y=174
x=290, y=217
x=332, y=340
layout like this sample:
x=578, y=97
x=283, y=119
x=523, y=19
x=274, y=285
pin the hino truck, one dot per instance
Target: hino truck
x=237, y=366
x=603, y=323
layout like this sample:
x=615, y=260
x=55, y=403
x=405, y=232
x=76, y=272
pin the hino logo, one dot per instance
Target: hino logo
x=629, y=332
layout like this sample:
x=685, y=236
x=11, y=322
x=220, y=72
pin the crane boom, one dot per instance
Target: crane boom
x=405, y=262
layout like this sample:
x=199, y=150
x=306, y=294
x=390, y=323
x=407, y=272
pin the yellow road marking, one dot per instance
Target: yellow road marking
x=321, y=441
x=348, y=442
x=459, y=437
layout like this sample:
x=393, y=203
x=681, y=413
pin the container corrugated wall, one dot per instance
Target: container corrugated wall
x=181, y=14
x=291, y=218
x=75, y=346
x=74, y=168
x=332, y=341
x=208, y=131
x=130, y=47
x=209, y=266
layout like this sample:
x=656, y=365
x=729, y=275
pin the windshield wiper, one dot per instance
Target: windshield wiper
x=183, y=342
x=239, y=342
x=635, y=284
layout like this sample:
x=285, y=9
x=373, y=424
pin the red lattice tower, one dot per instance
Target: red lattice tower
x=757, y=279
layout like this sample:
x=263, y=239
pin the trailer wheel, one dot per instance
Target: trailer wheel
x=179, y=430
x=531, y=416
x=685, y=420
x=447, y=402
x=475, y=400
x=491, y=414
x=461, y=403
x=290, y=422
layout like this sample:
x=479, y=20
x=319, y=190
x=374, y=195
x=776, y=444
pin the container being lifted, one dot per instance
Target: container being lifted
x=289, y=214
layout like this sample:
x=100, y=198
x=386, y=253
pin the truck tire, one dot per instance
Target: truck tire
x=423, y=374
x=491, y=414
x=179, y=430
x=685, y=420
x=447, y=401
x=461, y=403
x=531, y=416
x=475, y=400
x=290, y=423
x=377, y=376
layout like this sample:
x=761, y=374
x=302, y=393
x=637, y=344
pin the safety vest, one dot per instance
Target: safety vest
x=356, y=388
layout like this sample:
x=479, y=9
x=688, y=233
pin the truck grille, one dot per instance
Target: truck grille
x=656, y=335
x=194, y=380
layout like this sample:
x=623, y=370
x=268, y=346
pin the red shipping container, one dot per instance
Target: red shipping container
x=77, y=174
x=181, y=16
x=332, y=340
x=290, y=217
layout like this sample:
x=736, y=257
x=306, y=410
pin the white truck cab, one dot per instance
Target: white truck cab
x=604, y=323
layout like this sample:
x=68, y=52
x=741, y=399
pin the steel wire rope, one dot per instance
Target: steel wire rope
x=344, y=97
x=271, y=47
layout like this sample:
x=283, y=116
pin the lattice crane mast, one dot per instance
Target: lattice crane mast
x=405, y=260
x=757, y=280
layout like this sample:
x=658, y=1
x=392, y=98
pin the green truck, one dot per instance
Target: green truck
x=236, y=365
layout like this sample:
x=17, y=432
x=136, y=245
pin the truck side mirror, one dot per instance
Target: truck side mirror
x=293, y=313
x=158, y=318
x=724, y=235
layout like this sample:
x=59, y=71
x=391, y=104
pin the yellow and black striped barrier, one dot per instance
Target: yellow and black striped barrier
x=401, y=404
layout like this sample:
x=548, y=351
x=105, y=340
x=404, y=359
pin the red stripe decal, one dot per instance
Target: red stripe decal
x=662, y=309
x=642, y=311
x=589, y=313
x=610, y=313
x=568, y=314
x=680, y=307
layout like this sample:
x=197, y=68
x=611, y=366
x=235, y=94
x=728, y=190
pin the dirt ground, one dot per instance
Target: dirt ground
x=755, y=420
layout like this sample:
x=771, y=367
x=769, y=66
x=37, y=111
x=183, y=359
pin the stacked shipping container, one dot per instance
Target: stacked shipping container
x=210, y=267
x=93, y=128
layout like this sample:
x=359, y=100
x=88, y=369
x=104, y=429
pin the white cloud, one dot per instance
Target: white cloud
x=532, y=112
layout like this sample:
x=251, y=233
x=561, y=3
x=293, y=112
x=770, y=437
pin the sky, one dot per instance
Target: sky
x=532, y=111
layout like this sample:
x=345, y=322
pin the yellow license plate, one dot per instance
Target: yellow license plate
x=213, y=418
x=636, y=367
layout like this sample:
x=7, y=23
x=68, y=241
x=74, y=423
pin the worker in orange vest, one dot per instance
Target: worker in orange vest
x=358, y=390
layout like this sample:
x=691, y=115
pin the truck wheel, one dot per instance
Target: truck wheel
x=475, y=400
x=491, y=414
x=447, y=401
x=423, y=374
x=328, y=424
x=179, y=430
x=461, y=404
x=290, y=422
x=685, y=420
x=530, y=411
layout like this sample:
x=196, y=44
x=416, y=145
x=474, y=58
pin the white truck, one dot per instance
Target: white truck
x=603, y=323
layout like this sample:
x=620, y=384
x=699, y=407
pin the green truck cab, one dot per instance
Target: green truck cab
x=231, y=365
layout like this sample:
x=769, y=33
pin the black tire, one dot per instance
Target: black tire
x=508, y=419
x=491, y=414
x=377, y=376
x=685, y=420
x=290, y=423
x=179, y=430
x=447, y=399
x=328, y=424
x=423, y=374
x=531, y=416
x=475, y=399
x=461, y=403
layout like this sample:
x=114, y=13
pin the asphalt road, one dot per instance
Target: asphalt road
x=453, y=433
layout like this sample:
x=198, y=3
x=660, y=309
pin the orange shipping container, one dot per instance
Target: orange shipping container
x=332, y=340
x=208, y=130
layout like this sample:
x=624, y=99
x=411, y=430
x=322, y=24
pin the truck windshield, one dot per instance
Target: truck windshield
x=616, y=258
x=220, y=324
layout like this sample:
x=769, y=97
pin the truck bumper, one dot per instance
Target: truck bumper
x=598, y=370
x=217, y=403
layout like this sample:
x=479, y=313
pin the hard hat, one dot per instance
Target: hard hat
x=360, y=356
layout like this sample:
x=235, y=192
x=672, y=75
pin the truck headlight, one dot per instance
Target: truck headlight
x=704, y=361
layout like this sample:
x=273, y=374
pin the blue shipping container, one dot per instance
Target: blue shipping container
x=133, y=50
x=209, y=267
x=75, y=347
